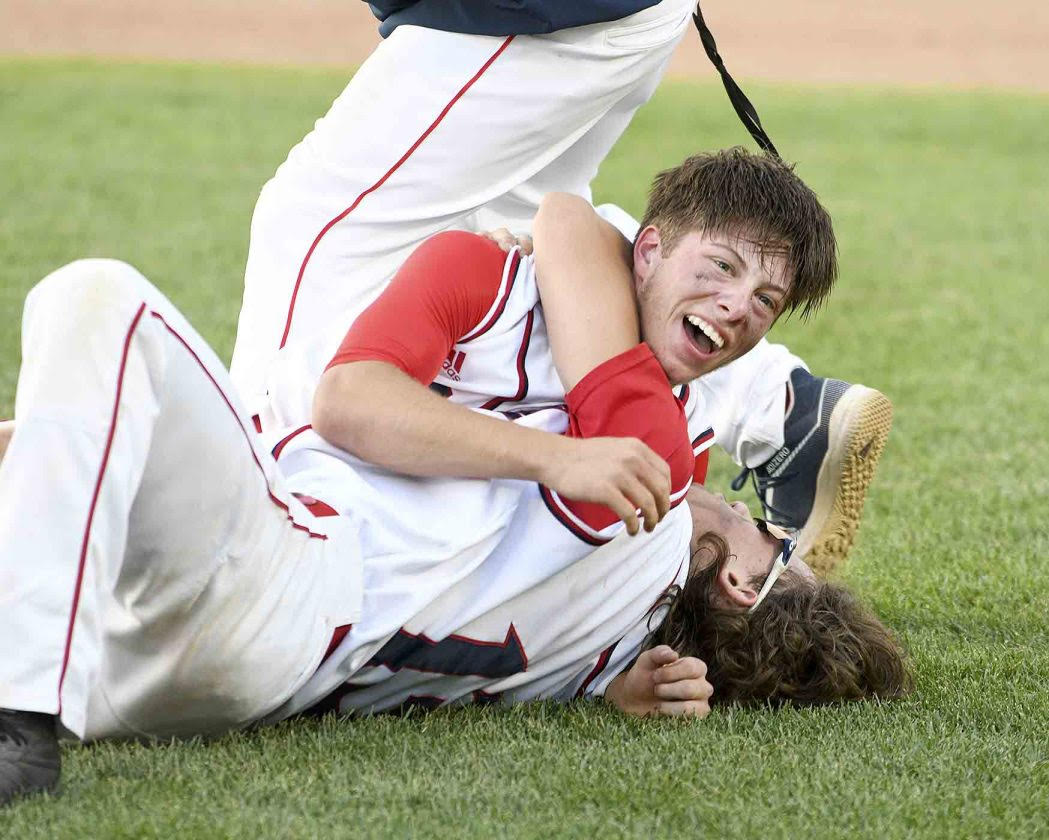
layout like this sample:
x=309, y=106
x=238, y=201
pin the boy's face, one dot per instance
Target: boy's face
x=708, y=301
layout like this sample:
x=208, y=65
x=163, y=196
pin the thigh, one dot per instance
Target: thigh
x=433, y=126
x=228, y=590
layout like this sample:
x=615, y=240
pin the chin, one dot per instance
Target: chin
x=683, y=375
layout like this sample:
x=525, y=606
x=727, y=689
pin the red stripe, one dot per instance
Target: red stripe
x=522, y=375
x=699, y=472
x=316, y=506
x=515, y=263
x=703, y=438
x=284, y=441
x=336, y=637
x=559, y=509
x=560, y=515
x=94, y=501
x=602, y=661
x=382, y=180
x=244, y=431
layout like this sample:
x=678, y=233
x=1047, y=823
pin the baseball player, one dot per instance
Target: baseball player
x=711, y=277
x=465, y=118
x=162, y=577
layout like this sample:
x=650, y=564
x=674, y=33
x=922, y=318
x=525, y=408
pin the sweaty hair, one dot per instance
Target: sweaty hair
x=758, y=198
x=808, y=643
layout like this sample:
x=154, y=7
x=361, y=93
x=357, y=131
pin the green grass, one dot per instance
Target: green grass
x=940, y=203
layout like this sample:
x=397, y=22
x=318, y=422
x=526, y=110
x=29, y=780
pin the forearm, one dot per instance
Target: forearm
x=378, y=413
x=583, y=269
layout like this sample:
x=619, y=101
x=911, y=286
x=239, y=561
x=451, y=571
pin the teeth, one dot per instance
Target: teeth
x=706, y=329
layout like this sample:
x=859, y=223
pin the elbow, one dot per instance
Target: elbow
x=333, y=416
x=556, y=208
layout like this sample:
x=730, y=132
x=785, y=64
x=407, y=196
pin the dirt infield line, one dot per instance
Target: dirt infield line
x=954, y=43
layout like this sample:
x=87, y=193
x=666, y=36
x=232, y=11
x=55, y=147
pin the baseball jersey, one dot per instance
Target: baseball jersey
x=478, y=591
x=465, y=318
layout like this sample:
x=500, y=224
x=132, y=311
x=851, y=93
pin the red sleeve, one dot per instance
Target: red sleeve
x=627, y=396
x=699, y=475
x=442, y=291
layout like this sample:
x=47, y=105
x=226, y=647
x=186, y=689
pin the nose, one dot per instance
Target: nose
x=741, y=508
x=732, y=301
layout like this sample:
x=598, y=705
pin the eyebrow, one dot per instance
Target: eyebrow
x=782, y=289
x=732, y=251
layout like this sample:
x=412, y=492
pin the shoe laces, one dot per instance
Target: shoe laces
x=763, y=483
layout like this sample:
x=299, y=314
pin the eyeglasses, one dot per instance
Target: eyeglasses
x=779, y=565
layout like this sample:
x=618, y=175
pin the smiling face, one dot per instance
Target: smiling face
x=751, y=550
x=706, y=302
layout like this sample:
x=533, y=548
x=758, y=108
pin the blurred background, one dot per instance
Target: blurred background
x=954, y=43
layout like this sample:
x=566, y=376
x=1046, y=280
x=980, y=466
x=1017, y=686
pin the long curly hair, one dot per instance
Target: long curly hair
x=808, y=643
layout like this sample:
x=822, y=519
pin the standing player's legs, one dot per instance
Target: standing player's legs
x=157, y=576
x=434, y=126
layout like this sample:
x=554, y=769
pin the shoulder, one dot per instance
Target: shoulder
x=462, y=243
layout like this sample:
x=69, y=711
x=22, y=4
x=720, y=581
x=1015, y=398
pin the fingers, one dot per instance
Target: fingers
x=682, y=679
x=685, y=668
x=647, y=483
x=643, y=499
x=684, y=690
x=623, y=508
x=658, y=657
x=501, y=237
x=506, y=240
x=689, y=708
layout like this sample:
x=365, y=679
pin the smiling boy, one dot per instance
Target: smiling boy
x=730, y=241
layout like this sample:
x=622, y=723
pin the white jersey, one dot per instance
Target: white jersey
x=477, y=588
x=476, y=591
x=502, y=364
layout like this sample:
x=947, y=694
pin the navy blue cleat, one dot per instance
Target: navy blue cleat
x=815, y=485
x=30, y=761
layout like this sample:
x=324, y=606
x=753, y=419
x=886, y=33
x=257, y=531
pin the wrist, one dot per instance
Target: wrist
x=614, y=691
x=543, y=455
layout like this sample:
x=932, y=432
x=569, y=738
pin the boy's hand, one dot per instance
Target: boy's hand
x=506, y=240
x=623, y=474
x=662, y=683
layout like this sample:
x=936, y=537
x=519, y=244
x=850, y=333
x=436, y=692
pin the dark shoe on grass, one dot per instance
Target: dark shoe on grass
x=834, y=434
x=29, y=754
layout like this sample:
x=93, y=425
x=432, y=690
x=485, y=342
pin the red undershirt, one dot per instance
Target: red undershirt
x=445, y=289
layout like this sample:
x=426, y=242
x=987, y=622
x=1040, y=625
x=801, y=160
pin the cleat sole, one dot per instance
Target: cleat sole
x=858, y=429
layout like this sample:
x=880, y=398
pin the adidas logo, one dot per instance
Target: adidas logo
x=453, y=365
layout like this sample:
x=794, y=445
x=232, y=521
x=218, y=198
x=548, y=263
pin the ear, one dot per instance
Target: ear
x=647, y=254
x=733, y=587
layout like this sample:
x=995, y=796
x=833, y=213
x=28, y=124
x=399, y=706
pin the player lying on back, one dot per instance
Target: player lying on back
x=162, y=579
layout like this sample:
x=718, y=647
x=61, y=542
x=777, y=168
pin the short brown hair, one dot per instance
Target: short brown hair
x=759, y=198
x=809, y=642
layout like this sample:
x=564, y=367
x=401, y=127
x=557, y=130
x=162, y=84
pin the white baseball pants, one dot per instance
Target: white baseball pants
x=156, y=576
x=433, y=127
x=440, y=130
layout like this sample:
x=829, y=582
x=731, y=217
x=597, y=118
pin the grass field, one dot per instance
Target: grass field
x=940, y=203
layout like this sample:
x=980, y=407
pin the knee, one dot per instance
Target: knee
x=88, y=283
x=88, y=291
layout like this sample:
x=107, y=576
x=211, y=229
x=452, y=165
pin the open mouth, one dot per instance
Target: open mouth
x=703, y=335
